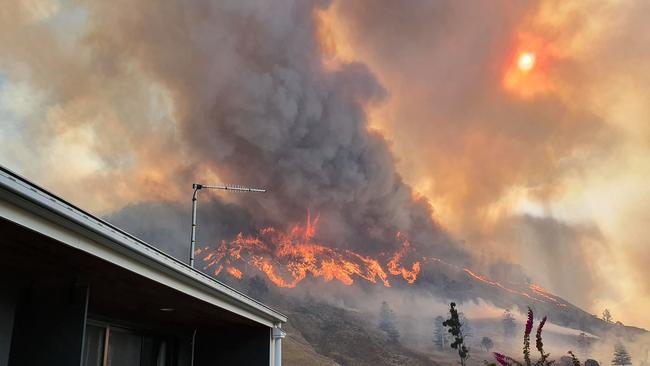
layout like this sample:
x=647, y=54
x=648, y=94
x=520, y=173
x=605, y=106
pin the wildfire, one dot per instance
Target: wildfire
x=394, y=266
x=289, y=257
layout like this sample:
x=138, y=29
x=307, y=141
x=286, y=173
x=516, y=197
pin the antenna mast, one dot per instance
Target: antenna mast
x=197, y=187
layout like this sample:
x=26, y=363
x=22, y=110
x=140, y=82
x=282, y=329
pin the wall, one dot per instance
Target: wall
x=7, y=310
x=49, y=325
x=232, y=346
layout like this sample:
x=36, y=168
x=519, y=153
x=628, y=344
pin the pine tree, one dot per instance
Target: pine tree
x=487, y=343
x=621, y=356
x=583, y=344
x=439, y=334
x=509, y=324
x=455, y=329
x=607, y=316
x=387, y=323
x=466, y=328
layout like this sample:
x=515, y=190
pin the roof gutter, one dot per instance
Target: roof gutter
x=38, y=201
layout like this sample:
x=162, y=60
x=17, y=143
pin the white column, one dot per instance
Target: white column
x=278, y=334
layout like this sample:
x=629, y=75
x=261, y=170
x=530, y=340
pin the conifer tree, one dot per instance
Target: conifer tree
x=439, y=334
x=487, y=343
x=621, y=356
x=455, y=328
x=509, y=324
x=387, y=323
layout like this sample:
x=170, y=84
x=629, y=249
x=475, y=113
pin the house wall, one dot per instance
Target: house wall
x=233, y=346
x=49, y=325
x=7, y=311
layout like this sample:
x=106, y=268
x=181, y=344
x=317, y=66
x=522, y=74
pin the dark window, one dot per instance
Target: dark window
x=94, y=346
x=106, y=345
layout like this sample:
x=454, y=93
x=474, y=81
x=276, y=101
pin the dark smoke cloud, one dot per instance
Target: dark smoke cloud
x=445, y=60
x=167, y=224
x=559, y=255
x=250, y=101
x=134, y=100
x=256, y=106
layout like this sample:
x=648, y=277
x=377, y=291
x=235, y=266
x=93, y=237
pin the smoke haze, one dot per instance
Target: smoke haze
x=379, y=117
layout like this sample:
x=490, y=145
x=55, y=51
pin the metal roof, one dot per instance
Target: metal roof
x=24, y=194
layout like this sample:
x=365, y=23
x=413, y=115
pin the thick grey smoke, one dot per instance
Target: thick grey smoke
x=256, y=104
x=252, y=104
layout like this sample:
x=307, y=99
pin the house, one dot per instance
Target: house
x=76, y=290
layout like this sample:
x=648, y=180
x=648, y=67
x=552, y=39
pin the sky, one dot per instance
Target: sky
x=508, y=132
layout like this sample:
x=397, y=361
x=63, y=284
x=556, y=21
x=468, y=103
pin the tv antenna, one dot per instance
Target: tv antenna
x=197, y=187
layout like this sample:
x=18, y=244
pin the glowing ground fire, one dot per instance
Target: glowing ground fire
x=288, y=257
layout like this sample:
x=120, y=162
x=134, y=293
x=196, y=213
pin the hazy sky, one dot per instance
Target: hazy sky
x=521, y=128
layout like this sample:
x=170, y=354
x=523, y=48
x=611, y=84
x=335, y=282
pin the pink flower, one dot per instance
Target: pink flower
x=501, y=359
x=529, y=323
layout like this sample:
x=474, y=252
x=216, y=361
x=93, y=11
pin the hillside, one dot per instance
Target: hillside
x=321, y=334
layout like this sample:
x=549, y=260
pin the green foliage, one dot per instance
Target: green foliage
x=455, y=328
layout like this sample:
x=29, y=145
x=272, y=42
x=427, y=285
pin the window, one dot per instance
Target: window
x=107, y=345
x=93, y=352
x=124, y=348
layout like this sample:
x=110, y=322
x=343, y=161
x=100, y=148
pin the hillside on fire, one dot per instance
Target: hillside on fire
x=369, y=182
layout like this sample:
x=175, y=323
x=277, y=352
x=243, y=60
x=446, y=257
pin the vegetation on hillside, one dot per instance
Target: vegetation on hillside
x=456, y=329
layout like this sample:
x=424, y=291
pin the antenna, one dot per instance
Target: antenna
x=197, y=187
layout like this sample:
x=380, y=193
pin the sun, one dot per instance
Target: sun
x=526, y=61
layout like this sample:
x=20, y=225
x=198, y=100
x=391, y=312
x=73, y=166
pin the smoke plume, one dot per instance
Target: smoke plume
x=377, y=117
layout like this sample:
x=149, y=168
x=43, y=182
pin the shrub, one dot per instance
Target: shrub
x=504, y=360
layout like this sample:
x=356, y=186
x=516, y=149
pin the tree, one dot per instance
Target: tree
x=487, y=343
x=607, y=316
x=439, y=334
x=257, y=288
x=584, y=344
x=621, y=357
x=509, y=324
x=455, y=329
x=387, y=322
x=465, y=327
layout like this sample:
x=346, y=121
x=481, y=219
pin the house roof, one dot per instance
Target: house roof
x=26, y=204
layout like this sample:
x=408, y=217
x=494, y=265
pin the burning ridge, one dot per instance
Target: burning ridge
x=287, y=257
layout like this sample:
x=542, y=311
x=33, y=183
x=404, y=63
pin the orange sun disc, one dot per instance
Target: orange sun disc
x=526, y=61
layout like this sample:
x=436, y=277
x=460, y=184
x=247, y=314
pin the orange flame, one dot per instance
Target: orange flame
x=394, y=266
x=235, y=272
x=288, y=257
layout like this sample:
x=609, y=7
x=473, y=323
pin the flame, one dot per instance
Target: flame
x=289, y=257
x=394, y=266
x=235, y=272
